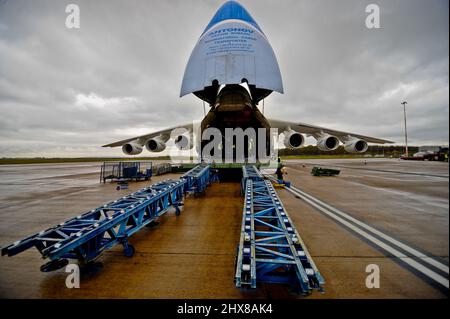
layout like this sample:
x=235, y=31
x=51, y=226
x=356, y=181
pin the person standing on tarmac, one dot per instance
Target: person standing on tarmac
x=279, y=171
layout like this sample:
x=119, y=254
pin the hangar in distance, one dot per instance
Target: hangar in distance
x=233, y=68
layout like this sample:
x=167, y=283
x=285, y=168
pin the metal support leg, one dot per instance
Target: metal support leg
x=128, y=249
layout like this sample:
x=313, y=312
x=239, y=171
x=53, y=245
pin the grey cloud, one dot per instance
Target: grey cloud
x=336, y=72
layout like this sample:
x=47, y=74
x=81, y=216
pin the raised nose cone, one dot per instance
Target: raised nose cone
x=232, y=47
x=232, y=10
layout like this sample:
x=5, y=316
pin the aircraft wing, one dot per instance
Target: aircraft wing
x=312, y=130
x=144, y=138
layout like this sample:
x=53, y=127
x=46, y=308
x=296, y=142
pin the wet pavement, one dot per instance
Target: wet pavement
x=193, y=255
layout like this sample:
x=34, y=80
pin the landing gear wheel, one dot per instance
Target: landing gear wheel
x=128, y=250
x=54, y=265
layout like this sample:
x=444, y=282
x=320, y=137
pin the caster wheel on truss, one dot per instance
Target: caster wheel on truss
x=54, y=265
x=128, y=251
x=178, y=208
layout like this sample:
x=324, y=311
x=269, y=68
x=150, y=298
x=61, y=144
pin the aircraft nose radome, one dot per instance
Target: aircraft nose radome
x=232, y=48
x=232, y=10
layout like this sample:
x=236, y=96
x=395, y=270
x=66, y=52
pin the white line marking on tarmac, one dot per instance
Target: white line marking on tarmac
x=403, y=246
x=329, y=211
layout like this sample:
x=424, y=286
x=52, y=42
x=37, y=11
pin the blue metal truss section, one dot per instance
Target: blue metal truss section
x=197, y=179
x=250, y=173
x=270, y=248
x=85, y=237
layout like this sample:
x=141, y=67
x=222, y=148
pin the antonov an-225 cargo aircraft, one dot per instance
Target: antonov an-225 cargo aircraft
x=232, y=68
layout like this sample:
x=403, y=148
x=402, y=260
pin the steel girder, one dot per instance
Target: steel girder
x=197, y=179
x=270, y=248
x=85, y=237
x=250, y=172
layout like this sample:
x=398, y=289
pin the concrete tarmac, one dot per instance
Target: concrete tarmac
x=192, y=256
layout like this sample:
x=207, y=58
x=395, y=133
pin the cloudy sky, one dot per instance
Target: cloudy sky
x=66, y=92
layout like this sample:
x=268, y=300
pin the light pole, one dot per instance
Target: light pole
x=406, y=129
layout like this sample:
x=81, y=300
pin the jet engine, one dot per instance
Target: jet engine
x=184, y=142
x=293, y=140
x=327, y=143
x=132, y=148
x=155, y=145
x=356, y=146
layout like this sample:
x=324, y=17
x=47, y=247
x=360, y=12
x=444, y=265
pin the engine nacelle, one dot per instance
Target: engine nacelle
x=132, y=148
x=183, y=142
x=356, y=146
x=155, y=145
x=327, y=143
x=293, y=140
